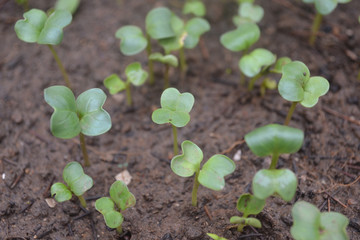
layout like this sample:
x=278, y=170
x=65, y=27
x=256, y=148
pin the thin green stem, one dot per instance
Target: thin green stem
x=242, y=75
x=290, y=113
x=195, y=189
x=128, y=93
x=315, y=28
x=274, y=161
x=183, y=65
x=176, y=148
x=61, y=66
x=84, y=150
x=358, y=77
x=119, y=229
x=82, y=201
x=166, y=76
x=253, y=80
x=150, y=62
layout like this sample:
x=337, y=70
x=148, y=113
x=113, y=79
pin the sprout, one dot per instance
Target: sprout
x=132, y=40
x=196, y=7
x=168, y=60
x=83, y=116
x=248, y=12
x=215, y=237
x=69, y=5
x=77, y=183
x=135, y=75
x=122, y=198
x=309, y=223
x=212, y=173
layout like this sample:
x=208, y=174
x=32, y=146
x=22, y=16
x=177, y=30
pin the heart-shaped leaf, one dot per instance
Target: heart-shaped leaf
x=245, y=221
x=186, y=164
x=61, y=192
x=106, y=207
x=241, y=38
x=167, y=59
x=296, y=85
x=76, y=179
x=274, y=139
x=267, y=182
x=250, y=205
x=132, y=40
x=194, y=29
x=280, y=63
x=196, y=7
x=121, y=195
x=214, y=170
x=69, y=5
x=253, y=63
x=176, y=118
x=215, y=237
x=158, y=23
x=250, y=11
x=325, y=7
x=37, y=27
x=135, y=74
x=114, y=84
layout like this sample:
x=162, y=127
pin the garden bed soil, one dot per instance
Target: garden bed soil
x=31, y=159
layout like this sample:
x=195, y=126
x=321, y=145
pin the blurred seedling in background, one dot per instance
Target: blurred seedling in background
x=37, y=27
x=310, y=223
x=195, y=7
x=69, y=5
x=248, y=12
x=175, y=109
x=77, y=183
x=167, y=60
x=24, y=4
x=215, y=237
x=212, y=173
x=83, y=116
x=135, y=75
x=112, y=207
x=297, y=86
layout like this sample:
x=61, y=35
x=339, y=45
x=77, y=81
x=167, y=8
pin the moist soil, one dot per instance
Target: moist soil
x=31, y=159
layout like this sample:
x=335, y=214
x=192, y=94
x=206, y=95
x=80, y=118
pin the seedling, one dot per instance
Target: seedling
x=323, y=7
x=38, y=27
x=248, y=12
x=77, y=183
x=215, y=237
x=69, y=5
x=111, y=207
x=195, y=7
x=274, y=139
x=135, y=75
x=212, y=173
x=167, y=60
x=83, y=116
x=297, y=86
x=175, y=108
x=24, y=4
x=309, y=223
x=248, y=205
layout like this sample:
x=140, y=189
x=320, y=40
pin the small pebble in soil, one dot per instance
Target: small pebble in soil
x=194, y=233
x=16, y=116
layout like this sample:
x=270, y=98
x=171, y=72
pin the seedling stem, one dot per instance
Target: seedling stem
x=166, y=76
x=183, y=65
x=274, y=161
x=61, y=66
x=150, y=62
x=82, y=201
x=84, y=151
x=128, y=93
x=290, y=113
x=315, y=28
x=176, y=148
x=358, y=77
x=195, y=189
x=119, y=229
x=253, y=80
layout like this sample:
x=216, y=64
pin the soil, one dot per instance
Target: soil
x=31, y=159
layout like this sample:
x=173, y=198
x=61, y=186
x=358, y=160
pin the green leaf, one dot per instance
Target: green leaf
x=280, y=63
x=274, y=139
x=196, y=7
x=296, y=85
x=215, y=237
x=158, y=23
x=167, y=59
x=61, y=192
x=253, y=63
x=176, y=118
x=135, y=74
x=76, y=179
x=69, y=5
x=214, y=170
x=241, y=38
x=246, y=221
x=325, y=7
x=121, y=195
x=114, y=84
x=52, y=32
x=28, y=30
x=250, y=11
x=267, y=182
x=106, y=207
x=249, y=204
x=132, y=40
x=194, y=29
x=94, y=119
x=186, y=164
x=335, y=226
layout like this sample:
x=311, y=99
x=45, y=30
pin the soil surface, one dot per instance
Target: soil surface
x=31, y=159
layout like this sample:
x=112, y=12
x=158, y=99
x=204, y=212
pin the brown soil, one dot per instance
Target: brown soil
x=31, y=159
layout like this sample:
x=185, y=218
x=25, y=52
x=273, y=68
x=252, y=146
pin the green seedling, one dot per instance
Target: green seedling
x=37, y=27
x=297, y=86
x=195, y=7
x=77, y=183
x=175, y=109
x=167, y=60
x=24, y=4
x=111, y=207
x=135, y=75
x=323, y=7
x=274, y=139
x=215, y=237
x=309, y=223
x=248, y=12
x=211, y=174
x=83, y=116
x=248, y=205
x=69, y=5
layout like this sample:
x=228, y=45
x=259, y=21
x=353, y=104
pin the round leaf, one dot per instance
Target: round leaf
x=113, y=219
x=28, y=29
x=194, y=7
x=274, y=139
x=114, y=84
x=315, y=87
x=61, y=192
x=106, y=207
x=215, y=237
x=135, y=74
x=176, y=118
x=69, y=5
x=250, y=11
x=246, y=221
x=252, y=64
x=333, y=226
x=250, y=205
x=268, y=182
x=172, y=99
x=324, y=7
x=280, y=63
x=76, y=179
x=214, y=170
x=158, y=23
x=167, y=59
x=132, y=40
x=241, y=38
x=186, y=164
x=194, y=29
x=121, y=195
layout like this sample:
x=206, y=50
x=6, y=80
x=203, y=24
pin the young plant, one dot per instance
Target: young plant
x=77, y=183
x=248, y=205
x=297, y=86
x=38, y=27
x=167, y=60
x=69, y=5
x=248, y=12
x=215, y=237
x=211, y=175
x=83, y=116
x=309, y=223
x=135, y=75
x=175, y=108
x=195, y=7
x=322, y=7
x=111, y=207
